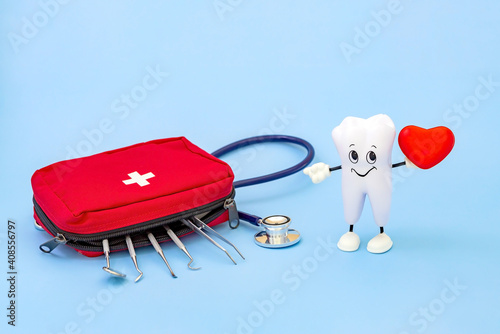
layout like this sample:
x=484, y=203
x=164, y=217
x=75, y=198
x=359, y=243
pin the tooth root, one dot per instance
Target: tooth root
x=380, y=194
x=353, y=200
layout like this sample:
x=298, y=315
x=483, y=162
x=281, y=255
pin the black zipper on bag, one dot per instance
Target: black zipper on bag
x=93, y=242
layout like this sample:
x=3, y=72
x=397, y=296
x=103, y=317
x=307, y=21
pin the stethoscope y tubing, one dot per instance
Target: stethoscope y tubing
x=269, y=177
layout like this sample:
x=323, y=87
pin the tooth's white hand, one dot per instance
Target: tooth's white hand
x=410, y=164
x=318, y=172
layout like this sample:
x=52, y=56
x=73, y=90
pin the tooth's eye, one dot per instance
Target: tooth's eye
x=353, y=156
x=371, y=157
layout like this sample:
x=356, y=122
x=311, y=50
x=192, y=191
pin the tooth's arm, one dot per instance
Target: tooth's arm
x=406, y=163
x=410, y=164
x=320, y=171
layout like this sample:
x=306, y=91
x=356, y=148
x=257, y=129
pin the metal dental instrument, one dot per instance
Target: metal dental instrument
x=203, y=225
x=199, y=230
x=131, y=251
x=158, y=249
x=179, y=244
x=105, y=246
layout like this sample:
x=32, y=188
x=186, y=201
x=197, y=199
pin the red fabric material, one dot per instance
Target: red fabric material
x=88, y=195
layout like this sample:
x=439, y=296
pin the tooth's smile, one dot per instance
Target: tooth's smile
x=363, y=175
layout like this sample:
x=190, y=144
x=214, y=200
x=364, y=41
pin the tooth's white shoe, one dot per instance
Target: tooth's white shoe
x=379, y=244
x=349, y=242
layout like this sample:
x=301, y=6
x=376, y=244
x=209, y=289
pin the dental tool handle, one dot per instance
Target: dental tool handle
x=158, y=249
x=131, y=250
x=199, y=231
x=181, y=246
x=155, y=243
x=105, y=246
x=203, y=225
x=130, y=246
x=174, y=238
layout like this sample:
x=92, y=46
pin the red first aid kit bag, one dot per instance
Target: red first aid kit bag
x=131, y=191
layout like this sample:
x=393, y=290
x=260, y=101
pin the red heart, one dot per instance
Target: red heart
x=426, y=147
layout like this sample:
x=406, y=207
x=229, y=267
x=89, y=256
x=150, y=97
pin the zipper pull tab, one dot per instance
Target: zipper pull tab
x=234, y=219
x=50, y=245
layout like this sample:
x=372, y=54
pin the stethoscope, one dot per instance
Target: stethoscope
x=276, y=233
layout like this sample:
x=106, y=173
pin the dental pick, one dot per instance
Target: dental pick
x=105, y=246
x=158, y=249
x=131, y=250
x=179, y=244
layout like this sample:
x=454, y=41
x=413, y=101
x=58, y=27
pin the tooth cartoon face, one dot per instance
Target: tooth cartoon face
x=365, y=147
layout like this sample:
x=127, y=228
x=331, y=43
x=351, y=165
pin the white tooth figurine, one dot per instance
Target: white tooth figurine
x=365, y=147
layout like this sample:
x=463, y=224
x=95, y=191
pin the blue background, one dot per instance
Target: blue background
x=238, y=69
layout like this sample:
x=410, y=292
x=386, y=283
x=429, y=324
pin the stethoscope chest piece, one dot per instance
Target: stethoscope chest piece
x=276, y=233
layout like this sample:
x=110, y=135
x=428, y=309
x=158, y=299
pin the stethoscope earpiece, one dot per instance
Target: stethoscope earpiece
x=276, y=233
